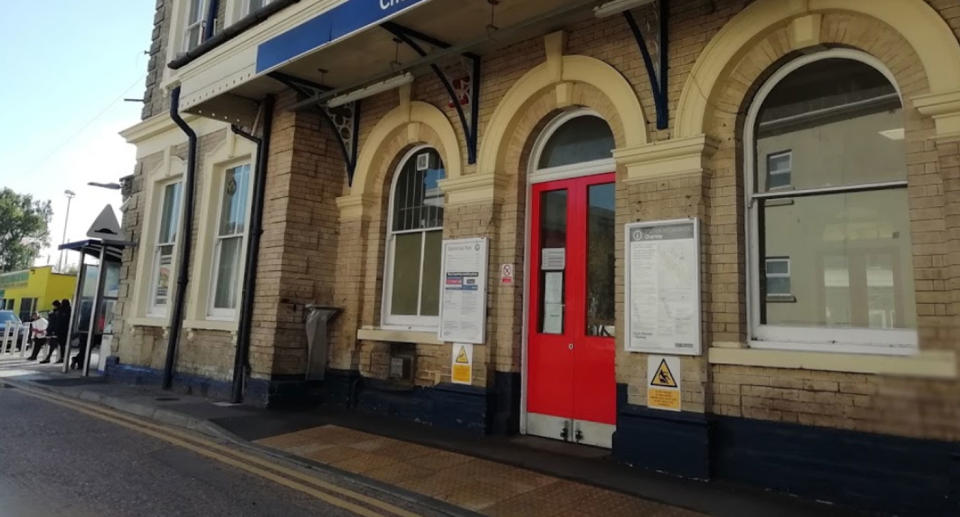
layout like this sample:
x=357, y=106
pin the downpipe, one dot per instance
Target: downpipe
x=242, y=355
x=185, y=239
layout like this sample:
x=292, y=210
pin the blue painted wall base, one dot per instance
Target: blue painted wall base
x=871, y=471
x=469, y=408
x=279, y=391
x=673, y=442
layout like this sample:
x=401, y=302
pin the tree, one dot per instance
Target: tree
x=24, y=229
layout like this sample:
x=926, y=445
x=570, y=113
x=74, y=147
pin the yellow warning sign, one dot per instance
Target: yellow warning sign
x=461, y=368
x=663, y=377
x=663, y=383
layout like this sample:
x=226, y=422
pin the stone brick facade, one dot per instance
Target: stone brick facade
x=325, y=239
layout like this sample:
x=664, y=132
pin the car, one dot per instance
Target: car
x=10, y=318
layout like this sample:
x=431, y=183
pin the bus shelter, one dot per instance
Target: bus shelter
x=96, y=293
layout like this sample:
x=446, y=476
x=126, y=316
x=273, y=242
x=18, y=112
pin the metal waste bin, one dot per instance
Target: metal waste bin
x=317, y=318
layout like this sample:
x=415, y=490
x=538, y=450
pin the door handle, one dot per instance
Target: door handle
x=570, y=346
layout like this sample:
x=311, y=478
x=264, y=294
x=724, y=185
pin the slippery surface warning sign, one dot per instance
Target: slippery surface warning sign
x=461, y=368
x=663, y=382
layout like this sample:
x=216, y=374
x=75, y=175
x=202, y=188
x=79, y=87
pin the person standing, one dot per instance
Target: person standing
x=61, y=326
x=38, y=334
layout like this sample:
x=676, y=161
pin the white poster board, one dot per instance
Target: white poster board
x=463, y=291
x=663, y=287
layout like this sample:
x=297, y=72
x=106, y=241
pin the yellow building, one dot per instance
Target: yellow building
x=34, y=289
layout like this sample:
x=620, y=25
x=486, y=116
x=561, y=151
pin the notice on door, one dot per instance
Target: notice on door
x=663, y=382
x=461, y=366
x=463, y=308
x=663, y=287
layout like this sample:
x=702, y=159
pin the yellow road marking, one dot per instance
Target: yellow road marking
x=202, y=446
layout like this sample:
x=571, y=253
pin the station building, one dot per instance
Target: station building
x=304, y=154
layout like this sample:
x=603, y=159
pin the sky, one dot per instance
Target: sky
x=65, y=67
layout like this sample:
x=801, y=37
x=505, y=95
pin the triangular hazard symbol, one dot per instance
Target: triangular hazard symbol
x=663, y=377
x=462, y=357
x=106, y=227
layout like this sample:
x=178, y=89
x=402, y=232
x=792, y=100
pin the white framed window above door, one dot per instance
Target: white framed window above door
x=230, y=240
x=827, y=216
x=161, y=272
x=411, y=280
x=578, y=142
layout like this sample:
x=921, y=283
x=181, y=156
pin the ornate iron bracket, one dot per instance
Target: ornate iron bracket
x=344, y=120
x=656, y=62
x=461, y=91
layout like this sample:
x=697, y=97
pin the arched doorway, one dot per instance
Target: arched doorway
x=570, y=377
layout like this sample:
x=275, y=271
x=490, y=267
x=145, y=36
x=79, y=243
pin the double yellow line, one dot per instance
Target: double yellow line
x=329, y=493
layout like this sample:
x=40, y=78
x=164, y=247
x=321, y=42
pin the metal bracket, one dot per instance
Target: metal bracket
x=344, y=120
x=461, y=92
x=656, y=62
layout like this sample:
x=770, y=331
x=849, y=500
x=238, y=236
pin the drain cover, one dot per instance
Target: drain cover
x=167, y=399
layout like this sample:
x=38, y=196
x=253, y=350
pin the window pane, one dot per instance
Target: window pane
x=406, y=274
x=579, y=140
x=778, y=285
x=170, y=214
x=775, y=266
x=225, y=296
x=850, y=255
x=553, y=238
x=233, y=210
x=430, y=297
x=601, y=258
x=417, y=198
x=162, y=281
x=842, y=121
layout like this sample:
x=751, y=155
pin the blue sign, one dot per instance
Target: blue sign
x=342, y=20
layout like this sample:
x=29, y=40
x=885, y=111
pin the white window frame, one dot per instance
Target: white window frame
x=213, y=312
x=400, y=322
x=247, y=6
x=779, y=296
x=189, y=24
x=815, y=339
x=154, y=310
x=789, y=170
x=574, y=170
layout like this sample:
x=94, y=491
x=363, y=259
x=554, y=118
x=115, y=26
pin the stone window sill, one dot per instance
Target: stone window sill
x=398, y=336
x=930, y=364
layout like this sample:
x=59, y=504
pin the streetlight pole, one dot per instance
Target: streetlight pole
x=66, y=219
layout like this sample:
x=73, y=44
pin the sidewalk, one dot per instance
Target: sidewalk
x=493, y=475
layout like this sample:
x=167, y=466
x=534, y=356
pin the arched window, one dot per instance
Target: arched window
x=829, y=227
x=576, y=143
x=415, y=234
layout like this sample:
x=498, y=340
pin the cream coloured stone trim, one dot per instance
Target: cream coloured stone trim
x=932, y=364
x=148, y=322
x=224, y=325
x=354, y=206
x=945, y=110
x=475, y=188
x=667, y=159
x=918, y=23
x=398, y=336
x=400, y=118
x=559, y=69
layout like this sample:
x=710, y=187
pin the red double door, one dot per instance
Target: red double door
x=571, y=384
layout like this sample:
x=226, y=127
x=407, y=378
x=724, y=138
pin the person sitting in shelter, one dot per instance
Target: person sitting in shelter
x=38, y=334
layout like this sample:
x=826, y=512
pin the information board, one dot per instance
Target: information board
x=663, y=287
x=463, y=307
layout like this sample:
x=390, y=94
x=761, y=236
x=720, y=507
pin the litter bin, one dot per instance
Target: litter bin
x=317, y=319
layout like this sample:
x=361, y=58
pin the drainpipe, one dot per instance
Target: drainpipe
x=185, y=238
x=241, y=359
